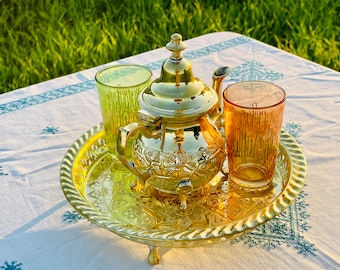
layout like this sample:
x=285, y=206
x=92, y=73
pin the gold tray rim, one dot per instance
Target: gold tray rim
x=298, y=172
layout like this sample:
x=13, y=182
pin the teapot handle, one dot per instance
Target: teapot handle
x=124, y=135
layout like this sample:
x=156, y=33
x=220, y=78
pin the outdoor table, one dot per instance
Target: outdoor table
x=39, y=229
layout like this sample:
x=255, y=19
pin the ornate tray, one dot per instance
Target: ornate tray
x=99, y=188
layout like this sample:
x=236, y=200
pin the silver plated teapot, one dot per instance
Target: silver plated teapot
x=175, y=145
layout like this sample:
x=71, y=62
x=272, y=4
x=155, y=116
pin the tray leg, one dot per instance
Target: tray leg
x=153, y=256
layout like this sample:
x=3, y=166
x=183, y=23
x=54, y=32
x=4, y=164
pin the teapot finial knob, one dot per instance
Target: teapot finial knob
x=176, y=46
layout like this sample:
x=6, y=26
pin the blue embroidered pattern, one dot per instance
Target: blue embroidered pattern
x=14, y=265
x=50, y=130
x=71, y=217
x=45, y=97
x=88, y=85
x=254, y=70
x=293, y=129
x=217, y=47
x=286, y=227
x=2, y=171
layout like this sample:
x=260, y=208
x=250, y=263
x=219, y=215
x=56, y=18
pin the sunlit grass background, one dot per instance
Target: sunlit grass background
x=40, y=40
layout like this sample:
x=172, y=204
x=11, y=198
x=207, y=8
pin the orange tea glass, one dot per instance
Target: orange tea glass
x=253, y=112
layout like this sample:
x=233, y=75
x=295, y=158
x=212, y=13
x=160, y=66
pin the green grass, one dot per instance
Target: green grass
x=40, y=40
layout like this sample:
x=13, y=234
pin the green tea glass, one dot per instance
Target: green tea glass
x=118, y=89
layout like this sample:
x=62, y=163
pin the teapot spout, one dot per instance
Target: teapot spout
x=218, y=78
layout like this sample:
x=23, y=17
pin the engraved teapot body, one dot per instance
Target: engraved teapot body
x=176, y=146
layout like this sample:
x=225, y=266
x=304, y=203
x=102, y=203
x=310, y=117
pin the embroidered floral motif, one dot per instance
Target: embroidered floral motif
x=2, y=171
x=254, y=70
x=293, y=129
x=50, y=130
x=288, y=227
x=71, y=217
x=14, y=265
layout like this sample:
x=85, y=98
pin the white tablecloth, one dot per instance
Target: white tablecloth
x=39, y=229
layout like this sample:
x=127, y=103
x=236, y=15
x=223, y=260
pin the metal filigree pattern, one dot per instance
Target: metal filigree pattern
x=101, y=191
x=167, y=169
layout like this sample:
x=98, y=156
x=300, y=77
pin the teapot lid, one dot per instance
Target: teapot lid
x=177, y=95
